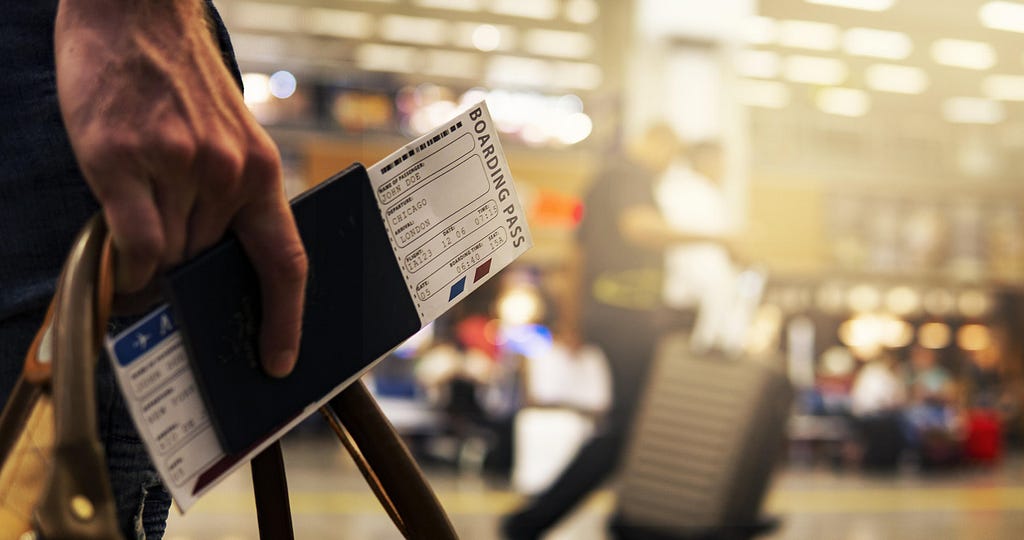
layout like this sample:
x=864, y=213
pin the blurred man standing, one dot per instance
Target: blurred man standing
x=621, y=239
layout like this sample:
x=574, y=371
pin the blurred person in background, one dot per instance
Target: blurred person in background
x=877, y=398
x=699, y=271
x=933, y=418
x=621, y=266
x=133, y=108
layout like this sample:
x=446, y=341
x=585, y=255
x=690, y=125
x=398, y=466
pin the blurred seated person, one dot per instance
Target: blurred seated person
x=876, y=401
x=455, y=374
x=569, y=375
x=933, y=418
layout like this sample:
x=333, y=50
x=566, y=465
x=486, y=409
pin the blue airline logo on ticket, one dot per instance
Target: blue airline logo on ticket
x=151, y=332
x=152, y=369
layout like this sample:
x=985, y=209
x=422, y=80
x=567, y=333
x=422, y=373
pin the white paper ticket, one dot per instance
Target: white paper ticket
x=451, y=210
x=453, y=219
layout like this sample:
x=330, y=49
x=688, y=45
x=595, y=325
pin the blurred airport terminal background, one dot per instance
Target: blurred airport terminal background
x=869, y=153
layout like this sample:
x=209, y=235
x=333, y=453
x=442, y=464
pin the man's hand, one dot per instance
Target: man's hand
x=168, y=147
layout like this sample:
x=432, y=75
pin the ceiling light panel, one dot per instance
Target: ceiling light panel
x=339, y=23
x=454, y=5
x=864, y=5
x=875, y=43
x=972, y=110
x=558, y=43
x=758, y=64
x=962, y=53
x=763, y=94
x=531, y=9
x=517, y=71
x=469, y=35
x=1002, y=16
x=577, y=75
x=582, y=11
x=379, y=57
x=759, y=30
x=456, y=64
x=418, y=30
x=848, y=102
x=266, y=16
x=1003, y=87
x=896, y=79
x=812, y=35
x=815, y=70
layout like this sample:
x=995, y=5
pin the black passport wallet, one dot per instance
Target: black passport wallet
x=357, y=309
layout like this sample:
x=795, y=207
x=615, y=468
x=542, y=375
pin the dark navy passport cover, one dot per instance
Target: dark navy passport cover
x=357, y=308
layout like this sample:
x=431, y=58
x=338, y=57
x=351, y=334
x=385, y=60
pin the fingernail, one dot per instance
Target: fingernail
x=281, y=364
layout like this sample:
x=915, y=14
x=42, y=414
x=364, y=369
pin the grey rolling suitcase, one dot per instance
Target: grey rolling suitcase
x=708, y=434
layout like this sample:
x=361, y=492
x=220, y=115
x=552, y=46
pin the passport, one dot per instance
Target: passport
x=357, y=309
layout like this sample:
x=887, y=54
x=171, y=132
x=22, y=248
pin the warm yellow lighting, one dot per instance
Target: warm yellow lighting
x=864, y=298
x=758, y=64
x=339, y=23
x=869, y=334
x=517, y=70
x=812, y=35
x=491, y=37
x=576, y=75
x=418, y=30
x=759, y=30
x=575, y=128
x=965, y=54
x=876, y=43
x=486, y=37
x=837, y=361
x=558, y=43
x=902, y=301
x=974, y=304
x=938, y=302
x=582, y=11
x=843, y=101
x=815, y=70
x=455, y=5
x=379, y=57
x=971, y=110
x=864, y=5
x=257, y=88
x=267, y=16
x=533, y=9
x=831, y=297
x=1003, y=16
x=455, y=64
x=763, y=94
x=974, y=337
x=897, y=79
x=934, y=335
x=520, y=305
x=1003, y=87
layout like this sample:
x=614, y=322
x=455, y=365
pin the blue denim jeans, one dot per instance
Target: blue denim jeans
x=43, y=202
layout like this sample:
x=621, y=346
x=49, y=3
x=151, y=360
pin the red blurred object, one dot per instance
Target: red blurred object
x=555, y=209
x=984, y=437
x=472, y=333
